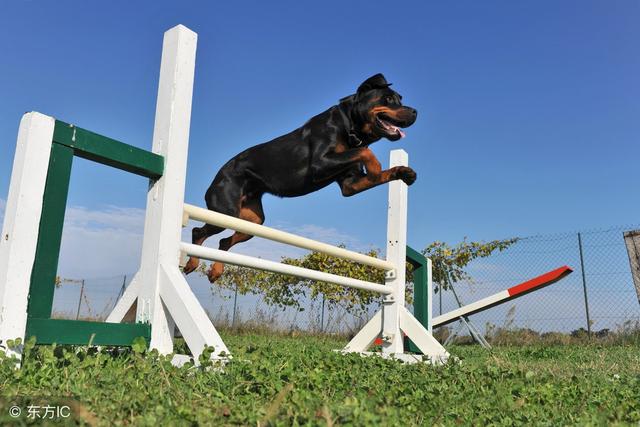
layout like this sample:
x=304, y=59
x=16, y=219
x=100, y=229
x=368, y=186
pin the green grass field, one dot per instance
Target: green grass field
x=282, y=380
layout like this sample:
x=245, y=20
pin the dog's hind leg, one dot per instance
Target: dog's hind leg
x=250, y=210
x=224, y=196
x=198, y=236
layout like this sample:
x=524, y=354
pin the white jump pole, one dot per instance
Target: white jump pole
x=278, y=267
x=233, y=223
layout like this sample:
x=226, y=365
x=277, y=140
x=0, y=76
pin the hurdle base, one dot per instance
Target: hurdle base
x=432, y=351
x=176, y=307
x=408, y=358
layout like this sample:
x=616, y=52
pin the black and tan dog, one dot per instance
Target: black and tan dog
x=331, y=147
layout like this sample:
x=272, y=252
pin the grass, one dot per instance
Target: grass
x=299, y=380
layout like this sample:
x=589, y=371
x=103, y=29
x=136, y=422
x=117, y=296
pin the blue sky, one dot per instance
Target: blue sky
x=528, y=111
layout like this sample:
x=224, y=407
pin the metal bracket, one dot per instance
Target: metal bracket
x=390, y=275
x=387, y=337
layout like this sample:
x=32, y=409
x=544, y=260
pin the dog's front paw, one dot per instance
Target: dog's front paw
x=406, y=174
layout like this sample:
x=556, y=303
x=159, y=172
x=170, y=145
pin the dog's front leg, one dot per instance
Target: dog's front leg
x=355, y=183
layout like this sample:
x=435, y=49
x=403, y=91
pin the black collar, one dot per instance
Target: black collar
x=353, y=139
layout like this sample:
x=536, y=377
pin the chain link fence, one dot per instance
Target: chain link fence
x=598, y=297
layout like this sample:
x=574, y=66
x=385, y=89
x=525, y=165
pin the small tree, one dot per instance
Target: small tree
x=287, y=291
x=448, y=262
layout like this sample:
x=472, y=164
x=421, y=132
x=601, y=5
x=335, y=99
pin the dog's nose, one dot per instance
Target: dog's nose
x=414, y=113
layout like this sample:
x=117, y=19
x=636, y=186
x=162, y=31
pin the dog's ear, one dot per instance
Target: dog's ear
x=374, y=82
x=346, y=99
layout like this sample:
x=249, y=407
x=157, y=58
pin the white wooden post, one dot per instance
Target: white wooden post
x=392, y=339
x=164, y=298
x=164, y=211
x=21, y=224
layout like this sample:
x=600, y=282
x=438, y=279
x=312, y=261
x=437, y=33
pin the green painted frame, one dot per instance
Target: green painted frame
x=69, y=141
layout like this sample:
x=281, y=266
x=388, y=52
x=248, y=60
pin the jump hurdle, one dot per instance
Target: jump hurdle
x=32, y=230
x=423, y=311
x=158, y=293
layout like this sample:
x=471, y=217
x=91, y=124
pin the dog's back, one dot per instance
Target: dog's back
x=282, y=166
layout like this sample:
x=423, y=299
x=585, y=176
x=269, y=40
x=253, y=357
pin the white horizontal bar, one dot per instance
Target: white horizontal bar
x=226, y=221
x=472, y=308
x=276, y=267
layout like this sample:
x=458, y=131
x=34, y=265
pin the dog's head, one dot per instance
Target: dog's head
x=376, y=111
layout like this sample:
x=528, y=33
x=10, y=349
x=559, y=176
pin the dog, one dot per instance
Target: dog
x=331, y=147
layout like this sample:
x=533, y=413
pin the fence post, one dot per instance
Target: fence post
x=584, y=285
x=322, y=316
x=80, y=300
x=235, y=306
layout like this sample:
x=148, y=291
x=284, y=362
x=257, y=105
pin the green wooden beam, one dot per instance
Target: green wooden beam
x=54, y=203
x=107, y=151
x=80, y=332
x=420, y=285
x=415, y=258
x=70, y=141
x=420, y=292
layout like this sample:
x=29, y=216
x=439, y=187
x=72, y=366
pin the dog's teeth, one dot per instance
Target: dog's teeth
x=388, y=126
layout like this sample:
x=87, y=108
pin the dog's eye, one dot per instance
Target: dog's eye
x=389, y=99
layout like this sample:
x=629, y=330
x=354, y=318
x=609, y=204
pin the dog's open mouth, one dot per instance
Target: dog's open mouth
x=386, y=123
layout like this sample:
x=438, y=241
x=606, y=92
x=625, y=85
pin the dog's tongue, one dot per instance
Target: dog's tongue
x=396, y=129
